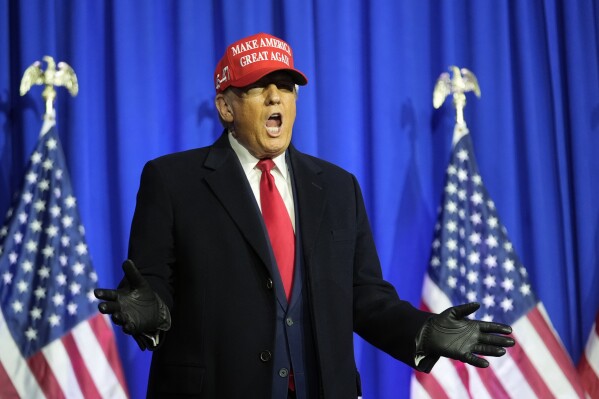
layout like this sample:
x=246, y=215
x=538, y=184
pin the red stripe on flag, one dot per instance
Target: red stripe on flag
x=431, y=385
x=7, y=389
x=86, y=383
x=589, y=379
x=462, y=372
x=105, y=337
x=528, y=370
x=555, y=348
x=45, y=376
x=492, y=383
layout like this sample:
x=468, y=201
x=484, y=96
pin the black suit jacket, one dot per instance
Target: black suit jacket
x=197, y=237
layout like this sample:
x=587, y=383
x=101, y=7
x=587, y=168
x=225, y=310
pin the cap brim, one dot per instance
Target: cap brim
x=298, y=77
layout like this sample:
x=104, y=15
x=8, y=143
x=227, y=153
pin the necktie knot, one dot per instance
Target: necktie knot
x=265, y=165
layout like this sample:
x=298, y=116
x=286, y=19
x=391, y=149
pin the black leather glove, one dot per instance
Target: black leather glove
x=137, y=308
x=452, y=335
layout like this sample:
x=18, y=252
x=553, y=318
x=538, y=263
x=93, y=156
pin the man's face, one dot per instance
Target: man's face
x=262, y=114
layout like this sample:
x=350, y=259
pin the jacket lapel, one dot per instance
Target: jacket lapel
x=311, y=197
x=230, y=186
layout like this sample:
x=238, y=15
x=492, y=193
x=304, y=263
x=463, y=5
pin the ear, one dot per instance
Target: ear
x=224, y=109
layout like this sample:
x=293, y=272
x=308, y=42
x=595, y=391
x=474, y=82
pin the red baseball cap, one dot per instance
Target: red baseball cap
x=251, y=58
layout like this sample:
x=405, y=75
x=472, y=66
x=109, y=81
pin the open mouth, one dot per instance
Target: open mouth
x=273, y=124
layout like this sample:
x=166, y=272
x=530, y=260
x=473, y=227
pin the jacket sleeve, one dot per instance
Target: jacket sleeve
x=380, y=316
x=151, y=242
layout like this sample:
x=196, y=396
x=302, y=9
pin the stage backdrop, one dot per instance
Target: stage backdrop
x=145, y=71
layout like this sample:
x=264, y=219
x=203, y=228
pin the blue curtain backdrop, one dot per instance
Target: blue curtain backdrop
x=145, y=73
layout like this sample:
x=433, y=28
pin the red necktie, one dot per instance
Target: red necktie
x=278, y=224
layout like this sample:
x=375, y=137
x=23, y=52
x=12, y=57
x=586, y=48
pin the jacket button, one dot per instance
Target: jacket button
x=269, y=284
x=289, y=321
x=283, y=372
x=265, y=356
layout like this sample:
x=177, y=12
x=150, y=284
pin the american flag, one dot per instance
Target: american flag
x=54, y=342
x=588, y=365
x=473, y=260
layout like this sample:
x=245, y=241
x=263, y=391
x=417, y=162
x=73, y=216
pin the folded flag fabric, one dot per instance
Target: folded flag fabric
x=55, y=343
x=473, y=260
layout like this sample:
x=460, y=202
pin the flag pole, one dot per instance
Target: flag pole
x=463, y=81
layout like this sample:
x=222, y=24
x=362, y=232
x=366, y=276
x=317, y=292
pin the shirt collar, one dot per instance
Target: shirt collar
x=248, y=161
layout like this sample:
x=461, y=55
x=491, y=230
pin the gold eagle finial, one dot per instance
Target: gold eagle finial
x=462, y=81
x=64, y=76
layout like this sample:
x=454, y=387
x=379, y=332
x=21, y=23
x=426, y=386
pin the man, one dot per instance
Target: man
x=252, y=264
